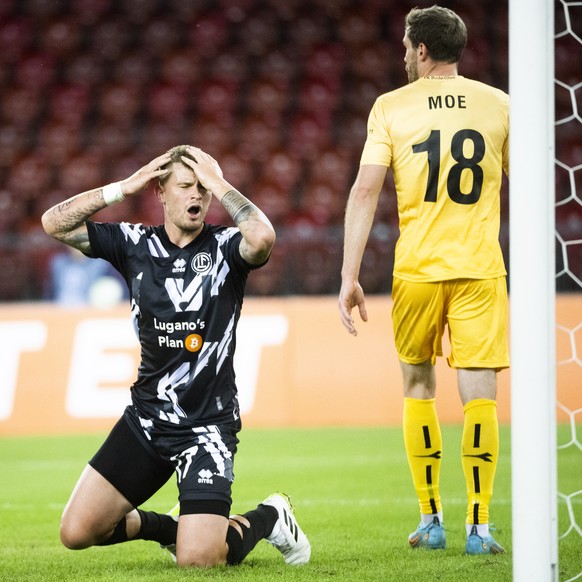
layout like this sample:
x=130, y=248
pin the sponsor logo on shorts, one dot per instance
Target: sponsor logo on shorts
x=205, y=476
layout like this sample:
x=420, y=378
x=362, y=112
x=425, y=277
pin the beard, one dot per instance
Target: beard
x=412, y=72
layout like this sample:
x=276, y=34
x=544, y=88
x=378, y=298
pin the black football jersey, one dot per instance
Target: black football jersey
x=185, y=305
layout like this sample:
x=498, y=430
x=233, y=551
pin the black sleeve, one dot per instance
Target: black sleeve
x=239, y=260
x=108, y=242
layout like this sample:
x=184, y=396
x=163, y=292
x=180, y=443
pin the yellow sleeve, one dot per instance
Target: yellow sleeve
x=378, y=147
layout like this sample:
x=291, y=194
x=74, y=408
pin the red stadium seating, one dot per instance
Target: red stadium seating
x=278, y=92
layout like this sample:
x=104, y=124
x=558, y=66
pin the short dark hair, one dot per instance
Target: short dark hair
x=176, y=154
x=440, y=29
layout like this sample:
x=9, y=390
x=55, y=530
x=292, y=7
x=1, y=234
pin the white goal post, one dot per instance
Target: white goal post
x=532, y=291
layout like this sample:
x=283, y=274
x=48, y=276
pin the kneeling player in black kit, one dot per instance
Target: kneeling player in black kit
x=186, y=280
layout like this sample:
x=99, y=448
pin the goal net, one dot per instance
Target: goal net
x=545, y=255
x=568, y=200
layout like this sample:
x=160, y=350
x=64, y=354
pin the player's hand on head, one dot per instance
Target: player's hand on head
x=140, y=179
x=204, y=165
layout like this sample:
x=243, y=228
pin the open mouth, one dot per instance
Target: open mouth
x=194, y=210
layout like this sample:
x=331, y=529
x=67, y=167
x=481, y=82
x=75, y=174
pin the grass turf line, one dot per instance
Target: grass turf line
x=351, y=488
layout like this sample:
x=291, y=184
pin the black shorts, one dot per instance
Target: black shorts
x=135, y=470
x=138, y=463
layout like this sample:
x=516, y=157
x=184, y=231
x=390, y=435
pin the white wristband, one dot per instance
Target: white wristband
x=112, y=193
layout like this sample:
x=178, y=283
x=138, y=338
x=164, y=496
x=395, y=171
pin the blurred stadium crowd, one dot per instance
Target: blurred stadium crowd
x=278, y=91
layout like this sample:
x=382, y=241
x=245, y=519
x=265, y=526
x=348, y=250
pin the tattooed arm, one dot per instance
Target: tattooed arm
x=257, y=230
x=258, y=233
x=66, y=221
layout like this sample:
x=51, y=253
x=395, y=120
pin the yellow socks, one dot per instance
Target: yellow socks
x=480, y=450
x=423, y=443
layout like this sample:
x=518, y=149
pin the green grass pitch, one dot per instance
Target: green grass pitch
x=353, y=497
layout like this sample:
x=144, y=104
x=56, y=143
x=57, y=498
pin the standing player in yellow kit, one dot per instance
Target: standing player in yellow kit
x=446, y=139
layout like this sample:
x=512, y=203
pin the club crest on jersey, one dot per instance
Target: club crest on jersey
x=201, y=263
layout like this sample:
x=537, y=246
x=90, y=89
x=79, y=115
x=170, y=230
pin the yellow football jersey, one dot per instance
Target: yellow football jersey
x=446, y=140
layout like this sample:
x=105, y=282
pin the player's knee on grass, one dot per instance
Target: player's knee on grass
x=73, y=538
x=201, y=557
x=73, y=532
x=201, y=540
x=77, y=535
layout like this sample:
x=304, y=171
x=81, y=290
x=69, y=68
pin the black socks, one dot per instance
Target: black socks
x=262, y=520
x=119, y=534
x=163, y=529
x=157, y=527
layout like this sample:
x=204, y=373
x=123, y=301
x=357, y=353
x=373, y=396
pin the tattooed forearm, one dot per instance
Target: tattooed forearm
x=66, y=221
x=65, y=218
x=62, y=207
x=238, y=206
x=256, y=229
x=68, y=215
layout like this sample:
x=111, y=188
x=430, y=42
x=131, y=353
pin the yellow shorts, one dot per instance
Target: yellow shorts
x=475, y=311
